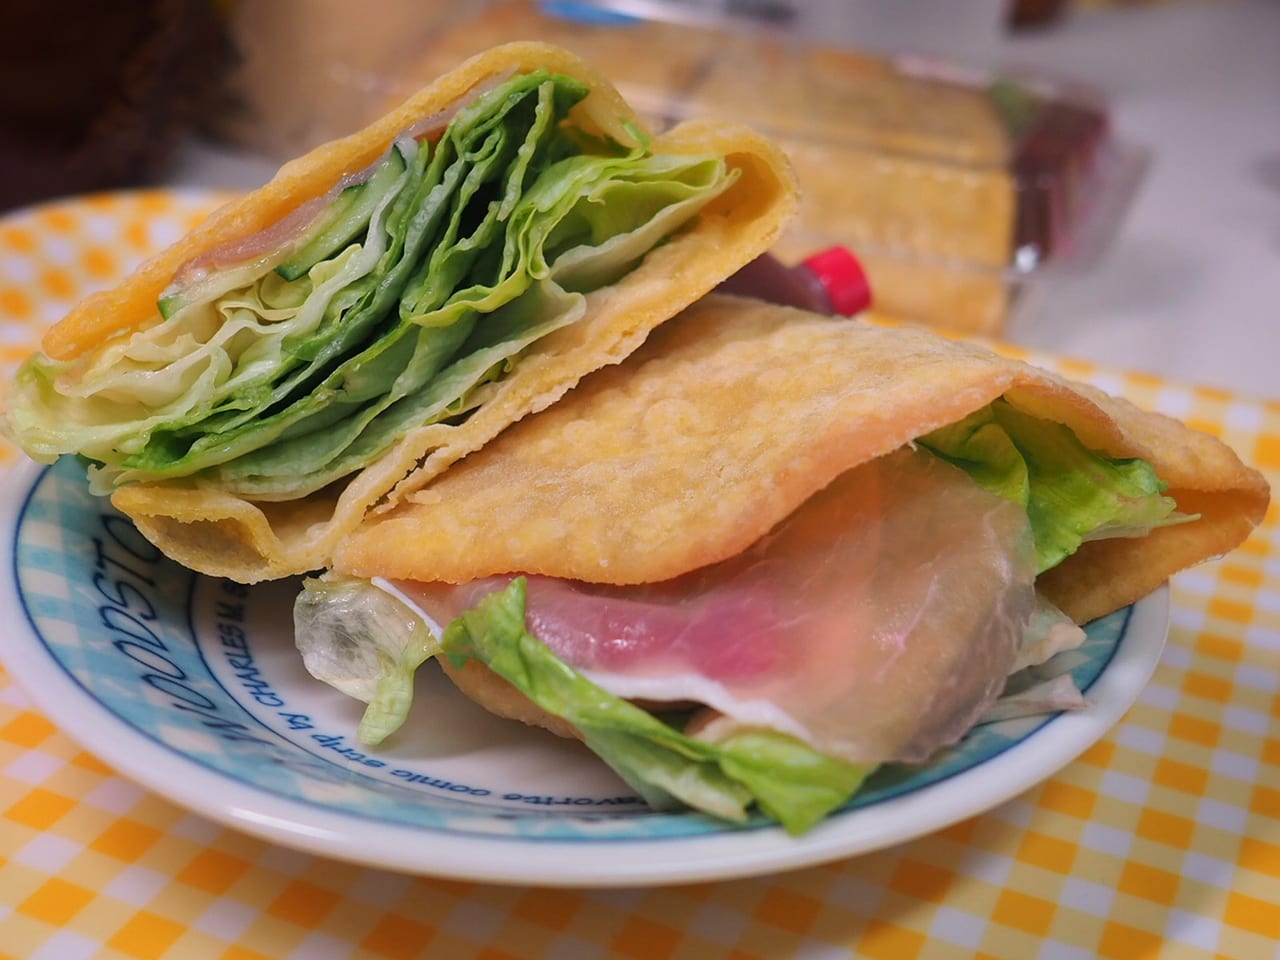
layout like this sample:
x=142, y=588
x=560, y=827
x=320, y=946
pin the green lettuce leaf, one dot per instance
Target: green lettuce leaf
x=787, y=780
x=1072, y=494
x=274, y=378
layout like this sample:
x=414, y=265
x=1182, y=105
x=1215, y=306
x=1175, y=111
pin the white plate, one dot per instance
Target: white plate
x=192, y=687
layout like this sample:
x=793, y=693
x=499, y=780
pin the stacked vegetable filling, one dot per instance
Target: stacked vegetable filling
x=393, y=303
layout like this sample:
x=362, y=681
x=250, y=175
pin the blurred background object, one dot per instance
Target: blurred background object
x=959, y=183
x=1024, y=14
x=954, y=184
x=98, y=95
x=310, y=70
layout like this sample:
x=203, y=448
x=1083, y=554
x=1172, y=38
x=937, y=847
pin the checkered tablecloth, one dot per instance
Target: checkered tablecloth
x=1161, y=840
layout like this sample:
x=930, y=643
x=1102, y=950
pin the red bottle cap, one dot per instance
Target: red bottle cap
x=842, y=276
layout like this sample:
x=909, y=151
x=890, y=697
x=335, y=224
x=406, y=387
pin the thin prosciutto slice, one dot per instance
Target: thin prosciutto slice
x=876, y=624
x=273, y=243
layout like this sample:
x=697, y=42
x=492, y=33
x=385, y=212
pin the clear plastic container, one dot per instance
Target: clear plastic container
x=956, y=187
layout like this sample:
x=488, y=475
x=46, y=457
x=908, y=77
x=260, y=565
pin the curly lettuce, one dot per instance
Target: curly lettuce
x=1072, y=494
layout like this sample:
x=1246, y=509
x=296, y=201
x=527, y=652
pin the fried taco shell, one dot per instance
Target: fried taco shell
x=715, y=195
x=772, y=551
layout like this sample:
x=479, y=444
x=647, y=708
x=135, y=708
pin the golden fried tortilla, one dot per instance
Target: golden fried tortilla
x=228, y=535
x=733, y=415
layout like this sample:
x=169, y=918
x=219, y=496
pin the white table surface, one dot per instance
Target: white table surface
x=1190, y=286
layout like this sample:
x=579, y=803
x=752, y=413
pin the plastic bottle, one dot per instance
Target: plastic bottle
x=830, y=281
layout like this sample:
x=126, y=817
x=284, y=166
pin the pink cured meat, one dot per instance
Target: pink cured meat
x=876, y=623
x=270, y=242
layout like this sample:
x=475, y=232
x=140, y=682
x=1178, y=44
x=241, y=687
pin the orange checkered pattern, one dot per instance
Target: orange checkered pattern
x=1162, y=840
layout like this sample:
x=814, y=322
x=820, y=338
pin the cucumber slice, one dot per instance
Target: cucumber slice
x=347, y=219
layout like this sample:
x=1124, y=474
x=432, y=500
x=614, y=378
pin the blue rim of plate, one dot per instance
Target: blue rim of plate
x=123, y=654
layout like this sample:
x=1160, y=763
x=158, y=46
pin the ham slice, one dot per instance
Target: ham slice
x=877, y=623
x=272, y=243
